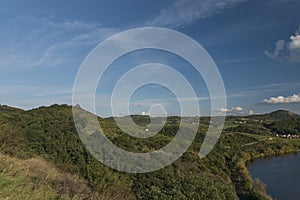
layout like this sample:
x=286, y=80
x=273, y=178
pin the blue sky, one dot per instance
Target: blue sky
x=255, y=44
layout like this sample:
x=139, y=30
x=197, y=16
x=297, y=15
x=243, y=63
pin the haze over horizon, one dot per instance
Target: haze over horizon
x=255, y=45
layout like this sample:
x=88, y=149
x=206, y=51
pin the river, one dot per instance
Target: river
x=281, y=174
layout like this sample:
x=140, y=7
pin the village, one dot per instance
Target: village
x=288, y=136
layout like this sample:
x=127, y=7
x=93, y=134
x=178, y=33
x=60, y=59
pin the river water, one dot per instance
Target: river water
x=281, y=174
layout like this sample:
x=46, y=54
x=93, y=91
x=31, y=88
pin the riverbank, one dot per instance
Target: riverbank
x=280, y=174
x=250, y=185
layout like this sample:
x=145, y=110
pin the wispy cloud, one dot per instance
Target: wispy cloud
x=287, y=50
x=267, y=88
x=237, y=60
x=183, y=12
x=64, y=52
x=295, y=98
x=54, y=92
x=48, y=43
x=280, y=45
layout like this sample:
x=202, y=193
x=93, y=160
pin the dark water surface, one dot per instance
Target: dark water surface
x=281, y=174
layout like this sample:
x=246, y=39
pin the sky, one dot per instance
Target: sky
x=255, y=45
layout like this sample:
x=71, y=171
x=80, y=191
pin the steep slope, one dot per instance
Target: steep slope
x=35, y=178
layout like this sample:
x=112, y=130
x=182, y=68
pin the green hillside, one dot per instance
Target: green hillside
x=46, y=137
x=279, y=122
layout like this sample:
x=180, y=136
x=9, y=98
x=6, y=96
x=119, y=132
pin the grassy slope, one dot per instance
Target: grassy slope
x=29, y=179
x=35, y=178
x=49, y=132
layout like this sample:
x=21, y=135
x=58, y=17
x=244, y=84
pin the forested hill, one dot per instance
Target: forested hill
x=43, y=157
x=280, y=122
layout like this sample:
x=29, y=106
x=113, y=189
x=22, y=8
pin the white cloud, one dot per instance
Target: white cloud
x=144, y=113
x=295, y=42
x=187, y=11
x=287, y=50
x=237, y=109
x=294, y=47
x=223, y=110
x=295, y=98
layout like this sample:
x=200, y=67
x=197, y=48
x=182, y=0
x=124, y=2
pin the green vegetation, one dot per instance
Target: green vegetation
x=279, y=122
x=14, y=184
x=42, y=157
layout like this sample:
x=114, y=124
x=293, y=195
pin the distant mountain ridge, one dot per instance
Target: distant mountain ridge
x=278, y=113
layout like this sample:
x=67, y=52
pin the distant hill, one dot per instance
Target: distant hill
x=278, y=122
x=279, y=115
x=47, y=135
x=282, y=122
